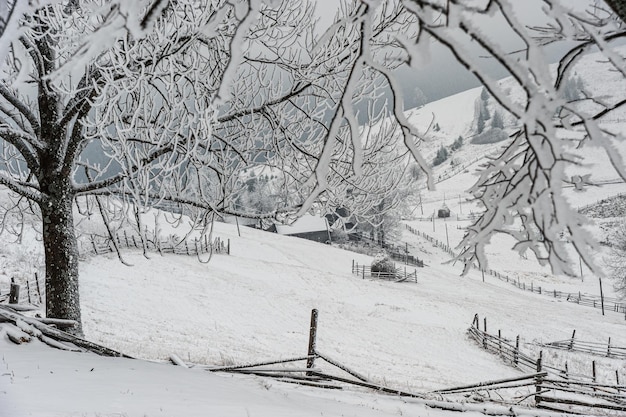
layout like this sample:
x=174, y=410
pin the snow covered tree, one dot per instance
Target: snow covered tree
x=172, y=100
x=457, y=144
x=496, y=120
x=177, y=95
x=441, y=156
x=616, y=260
x=522, y=189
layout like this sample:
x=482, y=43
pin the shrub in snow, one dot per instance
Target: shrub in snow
x=382, y=263
x=492, y=135
x=339, y=236
x=442, y=155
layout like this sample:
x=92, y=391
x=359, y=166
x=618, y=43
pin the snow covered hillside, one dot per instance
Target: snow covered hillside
x=254, y=305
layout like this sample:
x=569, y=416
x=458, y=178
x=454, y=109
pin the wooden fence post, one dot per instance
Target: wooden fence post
x=38, y=288
x=310, y=362
x=608, y=349
x=500, y=342
x=593, y=371
x=228, y=247
x=516, y=352
x=571, y=343
x=14, y=295
x=485, y=324
x=538, y=379
x=28, y=291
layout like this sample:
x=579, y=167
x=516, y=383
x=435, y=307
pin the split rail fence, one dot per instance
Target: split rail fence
x=25, y=290
x=397, y=275
x=100, y=245
x=555, y=388
x=397, y=252
x=610, y=304
x=593, y=348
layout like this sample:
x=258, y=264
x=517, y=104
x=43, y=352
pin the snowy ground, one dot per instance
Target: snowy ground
x=255, y=304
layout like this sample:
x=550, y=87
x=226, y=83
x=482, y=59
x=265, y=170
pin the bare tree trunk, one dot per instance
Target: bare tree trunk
x=61, y=253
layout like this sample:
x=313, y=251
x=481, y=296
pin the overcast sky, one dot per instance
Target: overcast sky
x=440, y=75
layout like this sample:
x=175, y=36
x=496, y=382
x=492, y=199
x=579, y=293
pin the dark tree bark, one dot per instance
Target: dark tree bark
x=61, y=255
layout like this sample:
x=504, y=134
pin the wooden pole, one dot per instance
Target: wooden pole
x=433, y=221
x=237, y=221
x=593, y=371
x=406, y=252
x=14, y=295
x=538, y=379
x=571, y=343
x=601, y=295
x=310, y=362
x=447, y=238
x=38, y=288
x=516, y=353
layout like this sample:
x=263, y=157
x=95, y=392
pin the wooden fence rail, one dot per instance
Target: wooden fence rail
x=397, y=275
x=398, y=252
x=100, y=245
x=593, y=348
x=610, y=304
x=555, y=388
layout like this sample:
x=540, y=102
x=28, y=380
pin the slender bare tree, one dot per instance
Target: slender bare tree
x=522, y=189
x=173, y=100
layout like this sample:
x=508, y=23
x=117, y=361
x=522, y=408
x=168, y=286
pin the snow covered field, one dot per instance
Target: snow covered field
x=254, y=305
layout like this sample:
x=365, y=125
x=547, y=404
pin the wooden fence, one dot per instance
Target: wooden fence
x=437, y=243
x=592, y=348
x=100, y=245
x=555, y=388
x=398, y=252
x=397, y=275
x=25, y=290
x=610, y=304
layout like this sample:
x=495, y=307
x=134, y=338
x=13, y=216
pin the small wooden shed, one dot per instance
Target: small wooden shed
x=443, y=212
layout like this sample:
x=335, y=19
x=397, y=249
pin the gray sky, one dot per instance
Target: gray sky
x=441, y=75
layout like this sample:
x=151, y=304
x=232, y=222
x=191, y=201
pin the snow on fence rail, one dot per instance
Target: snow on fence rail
x=394, y=251
x=25, y=290
x=556, y=389
x=432, y=240
x=605, y=303
x=397, y=275
x=592, y=348
x=101, y=245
